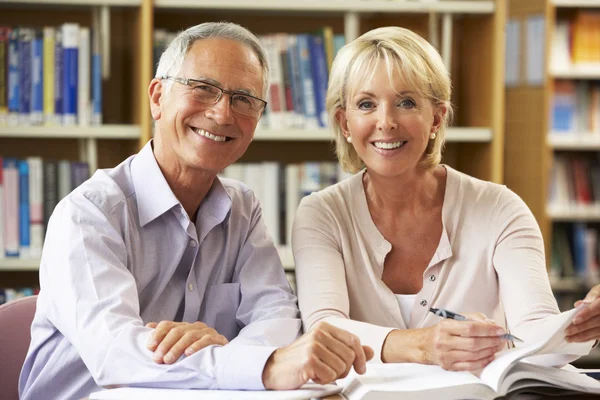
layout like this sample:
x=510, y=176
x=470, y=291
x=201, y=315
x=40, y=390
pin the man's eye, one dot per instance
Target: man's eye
x=242, y=99
x=205, y=88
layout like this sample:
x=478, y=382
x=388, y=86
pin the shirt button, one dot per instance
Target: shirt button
x=432, y=278
x=193, y=243
x=423, y=302
x=191, y=287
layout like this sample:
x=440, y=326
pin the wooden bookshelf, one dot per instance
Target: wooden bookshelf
x=72, y=132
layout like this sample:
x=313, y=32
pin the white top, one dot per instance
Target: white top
x=490, y=259
x=406, y=302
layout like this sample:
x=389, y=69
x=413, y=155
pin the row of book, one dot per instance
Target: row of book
x=577, y=40
x=576, y=107
x=575, y=252
x=50, y=75
x=10, y=294
x=280, y=187
x=575, y=180
x=299, y=73
x=29, y=191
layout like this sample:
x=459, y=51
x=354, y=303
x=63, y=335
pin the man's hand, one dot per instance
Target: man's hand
x=463, y=345
x=324, y=354
x=172, y=339
x=586, y=324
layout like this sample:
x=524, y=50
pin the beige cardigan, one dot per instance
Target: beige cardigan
x=490, y=259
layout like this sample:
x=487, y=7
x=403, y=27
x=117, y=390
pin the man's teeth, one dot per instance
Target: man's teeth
x=210, y=136
x=388, y=146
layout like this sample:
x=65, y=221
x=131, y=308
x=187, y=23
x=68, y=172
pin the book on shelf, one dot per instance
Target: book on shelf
x=518, y=369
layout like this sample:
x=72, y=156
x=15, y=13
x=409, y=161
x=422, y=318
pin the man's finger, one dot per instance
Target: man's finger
x=206, y=341
x=352, y=341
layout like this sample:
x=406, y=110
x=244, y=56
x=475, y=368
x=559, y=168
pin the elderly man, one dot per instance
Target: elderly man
x=158, y=273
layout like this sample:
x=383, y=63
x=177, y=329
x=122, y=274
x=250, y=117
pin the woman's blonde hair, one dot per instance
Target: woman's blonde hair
x=402, y=50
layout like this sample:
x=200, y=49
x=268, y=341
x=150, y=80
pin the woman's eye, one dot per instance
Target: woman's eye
x=408, y=103
x=365, y=105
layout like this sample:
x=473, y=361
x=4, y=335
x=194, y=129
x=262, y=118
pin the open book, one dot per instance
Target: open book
x=509, y=372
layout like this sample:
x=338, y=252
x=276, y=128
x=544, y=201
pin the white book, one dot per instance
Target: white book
x=512, y=370
x=64, y=179
x=275, y=99
x=309, y=391
x=292, y=198
x=84, y=114
x=36, y=206
x=270, y=199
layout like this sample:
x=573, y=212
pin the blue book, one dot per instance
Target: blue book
x=58, y=77
x=96, y=79
x=70, y=72
x=14, y=95
x=294, y=65
x=308, y=89
x=37, y=79
x=25, y=43
x=320, y=75
x=24, y=240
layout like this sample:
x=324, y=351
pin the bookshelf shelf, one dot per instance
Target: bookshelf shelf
x=583, y=71
x=340, y=6
x=576, y=3
x=19, y=264
x=71, y=3
x=574, y=213
x=71, y=132
x=27, y=264
x=574, y=141
x=458, y=134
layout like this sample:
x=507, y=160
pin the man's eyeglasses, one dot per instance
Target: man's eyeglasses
x=207, y=93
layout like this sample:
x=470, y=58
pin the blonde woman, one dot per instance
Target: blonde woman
x=405, y=233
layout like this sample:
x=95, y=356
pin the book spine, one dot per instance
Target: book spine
x=96, y=79
x=50, y=183
x=83, y=84
x=36, y=208
x=70, y=72
x=319, y=73
x=37, y=79
x=296, y=82
x=14, y=96
x=4, y=32
x=308, y=90
x=64, y=179
x=2, y=215
x=49, y=81
x=59, y=67
x=24, y=239
x=25, y=50
x=11, y=207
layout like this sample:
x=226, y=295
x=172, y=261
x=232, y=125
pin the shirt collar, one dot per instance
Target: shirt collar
x=153, y=194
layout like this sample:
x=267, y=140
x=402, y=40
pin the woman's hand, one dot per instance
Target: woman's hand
x=586, y=324
x=170, y=340
x=463, y=345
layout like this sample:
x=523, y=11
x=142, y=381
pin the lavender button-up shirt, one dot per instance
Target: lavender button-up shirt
x=120, y=251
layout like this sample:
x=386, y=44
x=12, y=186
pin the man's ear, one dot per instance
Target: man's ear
x=340, y=116
x=155, y=93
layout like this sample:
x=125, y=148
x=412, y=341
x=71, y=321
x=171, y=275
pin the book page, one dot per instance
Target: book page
x=548, y=336
x=405, y=377
x=307, y=391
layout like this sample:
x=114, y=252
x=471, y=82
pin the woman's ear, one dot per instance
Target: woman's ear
x=438, y=117
x=342, y=121
x=155, y=93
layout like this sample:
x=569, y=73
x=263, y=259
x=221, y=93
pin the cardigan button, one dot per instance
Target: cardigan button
x=423, y=302
x=432, y=278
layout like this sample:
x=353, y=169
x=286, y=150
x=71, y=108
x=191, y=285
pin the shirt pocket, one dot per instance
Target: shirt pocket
x=220, y=306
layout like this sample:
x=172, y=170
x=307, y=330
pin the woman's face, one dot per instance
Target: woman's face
x=389, y=124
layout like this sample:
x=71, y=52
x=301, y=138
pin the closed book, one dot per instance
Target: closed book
x=25, y=74
x=24, y=222
x=11, y=207
x=49, y=69
x=70, y=45
x=36, y=206
x=36, y=115
x=4, y=33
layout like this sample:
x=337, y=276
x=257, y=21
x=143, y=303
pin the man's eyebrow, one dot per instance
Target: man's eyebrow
x=217, y=83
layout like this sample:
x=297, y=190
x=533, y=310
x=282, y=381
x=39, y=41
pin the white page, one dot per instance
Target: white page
x=407, y=377
x=549, y=334
x=307, y=391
